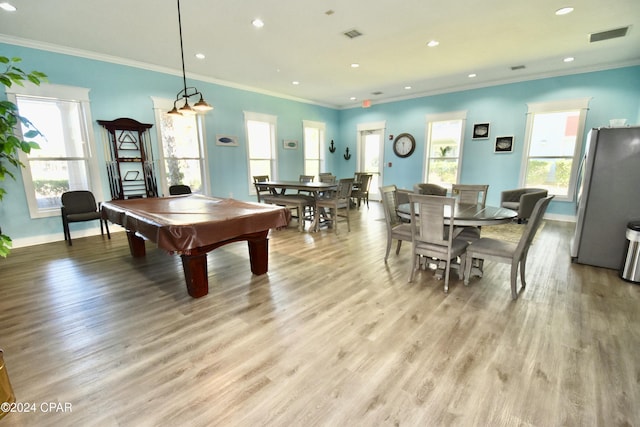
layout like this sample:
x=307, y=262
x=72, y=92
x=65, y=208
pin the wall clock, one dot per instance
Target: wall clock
x=404, y=145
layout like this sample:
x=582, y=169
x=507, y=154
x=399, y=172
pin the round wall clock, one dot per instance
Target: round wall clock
x=404, y=145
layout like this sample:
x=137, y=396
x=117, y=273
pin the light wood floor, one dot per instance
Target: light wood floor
x=331, y=336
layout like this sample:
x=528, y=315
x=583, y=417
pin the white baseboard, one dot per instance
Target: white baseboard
x=58, y=236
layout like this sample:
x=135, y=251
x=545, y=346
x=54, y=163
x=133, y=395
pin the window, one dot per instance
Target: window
x=313, y=147
x=444, y=148
x=64, y=161
x=182, y=151
x=261, y=146
x=551, y=147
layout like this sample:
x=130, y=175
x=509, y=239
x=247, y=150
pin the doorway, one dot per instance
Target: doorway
x=370, y=146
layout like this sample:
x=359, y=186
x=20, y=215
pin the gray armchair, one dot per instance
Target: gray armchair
x=522, y=200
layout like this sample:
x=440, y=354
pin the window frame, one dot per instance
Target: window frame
x=54, y=92
x=273, y=161
x=161, y=106
x=566, y=105
x=322, y=130
x=443, y=117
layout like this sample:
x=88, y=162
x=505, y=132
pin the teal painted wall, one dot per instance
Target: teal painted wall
x=121, y=91
x=615, y=94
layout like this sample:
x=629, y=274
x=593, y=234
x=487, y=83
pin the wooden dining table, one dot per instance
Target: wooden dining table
x=469, y=214
x=315, y=189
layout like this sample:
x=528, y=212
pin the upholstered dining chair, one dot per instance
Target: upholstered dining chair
x=396, y=228
x=522, y=200
x=508, y=252
x=178, y=189
x=429, y=189
x=362, y=190
x=431, y=237
x=339, y=199
x=474, y=195
x=80, y=206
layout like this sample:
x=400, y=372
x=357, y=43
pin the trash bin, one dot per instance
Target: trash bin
x=630, y=270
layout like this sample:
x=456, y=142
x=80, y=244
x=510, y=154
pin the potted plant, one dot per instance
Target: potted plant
x=10, y=145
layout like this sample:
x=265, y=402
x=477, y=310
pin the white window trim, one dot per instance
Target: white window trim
x=160, y=106
x=273, y=121
x=322, y=127
x=67, y=93
x=533, y=108
x=441, y=117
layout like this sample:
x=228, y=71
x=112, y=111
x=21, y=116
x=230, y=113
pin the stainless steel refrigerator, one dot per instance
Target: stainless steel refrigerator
x=608, y=196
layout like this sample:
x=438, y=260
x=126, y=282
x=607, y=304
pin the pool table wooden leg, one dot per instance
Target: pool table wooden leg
x=195, y=274
x=136, y=244
x=259, y=253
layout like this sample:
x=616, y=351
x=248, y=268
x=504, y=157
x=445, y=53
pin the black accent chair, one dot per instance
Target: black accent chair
x=175, y=190
x=80, y=206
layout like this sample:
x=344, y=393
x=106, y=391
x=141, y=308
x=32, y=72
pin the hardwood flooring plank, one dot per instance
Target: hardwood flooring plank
x=331, y=336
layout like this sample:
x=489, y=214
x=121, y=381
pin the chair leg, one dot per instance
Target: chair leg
x=398, y=247
x=386, y=254
x=447, y=269
x=348, y=224
x=514, y=279
x=468, y=262
x=414, y=267
x=107, y=227
x=67, y=233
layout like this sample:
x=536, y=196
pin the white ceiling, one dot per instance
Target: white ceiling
x=301, y=42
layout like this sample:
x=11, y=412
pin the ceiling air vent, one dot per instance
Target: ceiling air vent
x=377, y=93
x=352, y=34
x=517, y=67
x=606, y=35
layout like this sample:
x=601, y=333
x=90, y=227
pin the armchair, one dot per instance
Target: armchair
x=522, y=200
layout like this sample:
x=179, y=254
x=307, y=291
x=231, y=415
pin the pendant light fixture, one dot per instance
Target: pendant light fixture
x=187, y=92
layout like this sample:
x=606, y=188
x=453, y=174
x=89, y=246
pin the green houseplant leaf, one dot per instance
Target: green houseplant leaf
x=10, y=144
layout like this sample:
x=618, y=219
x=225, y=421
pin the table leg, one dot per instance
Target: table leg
x=259, y=253
x=136, y=244
x=195, y=274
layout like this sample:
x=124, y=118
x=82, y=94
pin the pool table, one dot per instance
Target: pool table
x=192, y=225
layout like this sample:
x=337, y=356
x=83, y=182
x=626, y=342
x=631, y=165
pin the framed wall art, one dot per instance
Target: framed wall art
x=481, y=131
x=504, y=144
x=227, y=140
x=290, y=144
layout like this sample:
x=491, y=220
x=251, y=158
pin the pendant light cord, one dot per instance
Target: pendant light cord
x=184, y=74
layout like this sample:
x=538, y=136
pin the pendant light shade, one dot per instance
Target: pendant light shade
x=187, y=92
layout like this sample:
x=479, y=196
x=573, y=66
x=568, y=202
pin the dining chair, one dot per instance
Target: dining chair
x=433, y=239
x=508, y=252
x=178, y=189
x=361, y=191
x=396, y=228
x=327, y=178
x=474, y=195
x=292, y=202
x=470, y=193
x=339, y=199
x=429, y=189
x=80, y=206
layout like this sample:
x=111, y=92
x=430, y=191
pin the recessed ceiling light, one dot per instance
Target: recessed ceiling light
x=200, y=55
x=472, y=75
x=355, y=65
x=564, y=11
x=353, y=98
x=295, y=82
x=407, y=87
x=569, y=59
x=433, y=43
x=8, y=7
x=258, y=23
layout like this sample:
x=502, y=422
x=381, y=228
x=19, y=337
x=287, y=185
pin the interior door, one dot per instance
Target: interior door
x=370, y=145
